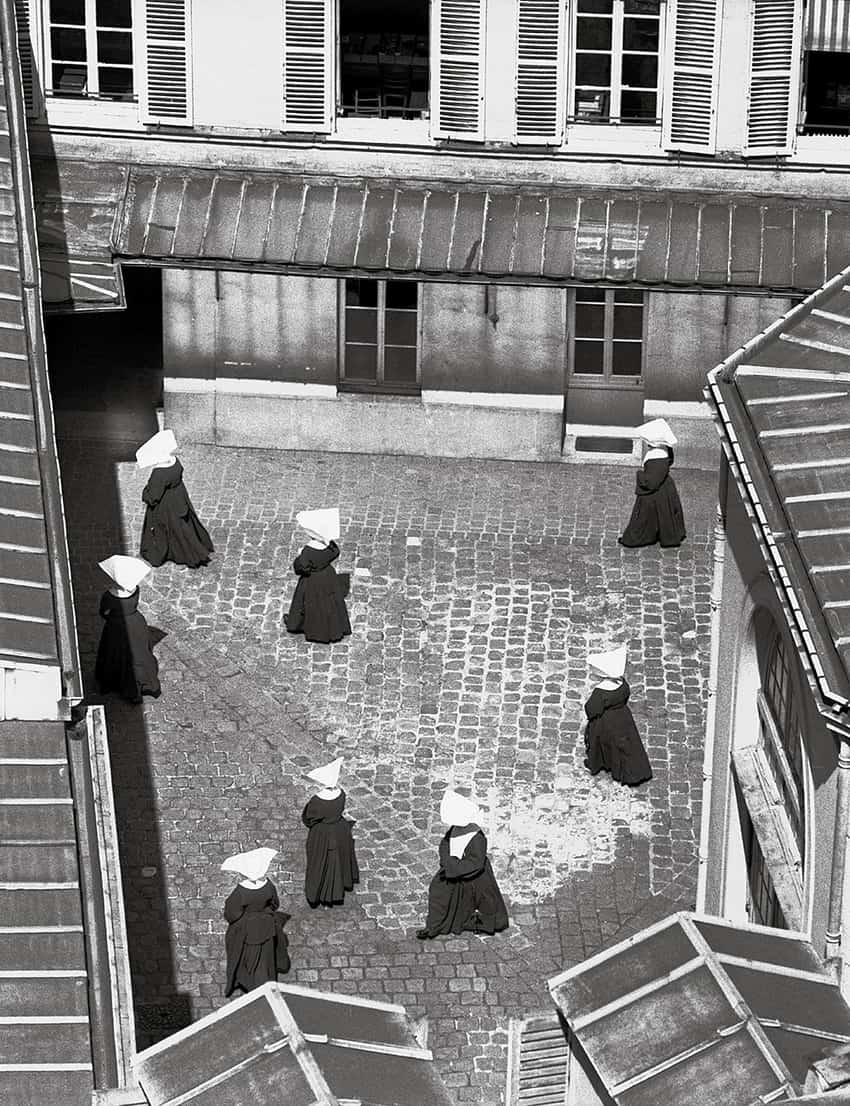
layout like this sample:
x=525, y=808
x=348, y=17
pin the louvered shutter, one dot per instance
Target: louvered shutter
x=540, y=93
x=538, y=1062
x=693, y=44
x=308, y=66
x=457, y=69
x=26, y=17
x=164, y=71
x=776, y=35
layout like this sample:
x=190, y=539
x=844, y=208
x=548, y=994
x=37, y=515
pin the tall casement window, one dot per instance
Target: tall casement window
x=384, y=58
x=616, y=71
x=89, y=45
x=606, y=335
x=762, y=903
x=781, y=737
x=826, y=69
x=379, y=335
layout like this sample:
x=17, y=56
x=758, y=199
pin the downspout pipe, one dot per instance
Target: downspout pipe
x=833, y=941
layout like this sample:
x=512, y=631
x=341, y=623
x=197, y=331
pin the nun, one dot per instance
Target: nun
x=331, y=861
x=318, y=608
x=125, y=661
x=171, y=530
x=463, y=895
x=611, y=739
x=657, y=512
x=255, y=943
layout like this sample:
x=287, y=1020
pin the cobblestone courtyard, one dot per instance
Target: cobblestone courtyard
x=477, y=591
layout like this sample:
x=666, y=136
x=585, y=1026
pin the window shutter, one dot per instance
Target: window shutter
x=164, y=70
x=539, y=71
x=776, y=31
x=693, y=43
x=26, y=17
x=308, y=56
x=457, y=69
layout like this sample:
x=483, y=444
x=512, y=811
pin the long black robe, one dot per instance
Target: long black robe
x=464, y=894
x=171, y=530
x=611, y=738
x=657, y=512
x=318, y=605
x=253, y=937
x=331, y=860
x=125, y=661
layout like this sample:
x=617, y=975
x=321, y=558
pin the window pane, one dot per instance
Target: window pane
x=642, y=7
x=114, y=13
x=361, y=293
x=591, y=105
x=401, y=293
x=590, y=295
x=640, y=71
x=400, y=328
x=399, y=365
x=588, y=357
x=594, y=34
x=114, y=47
x=625, y=358
x=638, y=105
x=68, y=11
x=590, y=320
x=69, y=80
x=361, y=363
x=597, y=6
x=640, y=34
x=115, y=82
x=361, y=324
x=628, y=295
x=68, y=45
x=628, y=322
x=593, y=69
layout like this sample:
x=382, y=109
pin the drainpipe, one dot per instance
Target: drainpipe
x=713, y=666
x=839, y=851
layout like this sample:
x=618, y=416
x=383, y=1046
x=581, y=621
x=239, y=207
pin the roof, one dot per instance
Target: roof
x=739, y=1011
x=283, y=1043
x=782, y=404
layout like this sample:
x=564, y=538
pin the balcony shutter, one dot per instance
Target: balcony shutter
x=776, y=32
x=308, y=56
x=164, y=70
x=693, y=43
x=540, y=71
x=457, y=69
x=26, y=17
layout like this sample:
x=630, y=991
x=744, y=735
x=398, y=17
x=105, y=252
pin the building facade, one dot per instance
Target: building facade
x=486, y=227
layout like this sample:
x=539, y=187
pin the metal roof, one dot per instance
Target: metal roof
x=782, y=403
x=287, y=222
x=738, y=1011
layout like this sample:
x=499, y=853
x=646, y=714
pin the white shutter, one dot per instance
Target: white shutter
x=308, y=57
x=26, y=17
x=457, y=69
x=164, y=67
x=539, y=87
x=776, y=37
x=690, y=86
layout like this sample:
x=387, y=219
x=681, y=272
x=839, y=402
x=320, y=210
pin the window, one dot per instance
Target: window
x=606, y=334
x=826, y=101
x=616, y=66
x=782, y=738
x=762, y=904
x=90, y=48
x=384, y=59
x=380, y=335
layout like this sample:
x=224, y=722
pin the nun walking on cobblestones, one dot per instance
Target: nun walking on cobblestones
x=125, y=661
x=463, y=895
x=171, y=530
x=318, y=608
x=255, y=943
x=331, y=861
x=657, y=513
x=611, y=739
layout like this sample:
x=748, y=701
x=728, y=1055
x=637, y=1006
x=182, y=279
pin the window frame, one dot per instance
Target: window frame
x=607, y=378
x=92, y=64
x=616, y=87
x=763, y=906
x=380, y=387
x=781, y=736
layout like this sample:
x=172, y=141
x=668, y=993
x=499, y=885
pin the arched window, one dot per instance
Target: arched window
x=782, y=736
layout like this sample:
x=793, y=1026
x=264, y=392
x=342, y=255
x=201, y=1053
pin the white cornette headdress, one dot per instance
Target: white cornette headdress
x=328, y=774
x=127, y=572
x=455, y=810
x=656, y=432
x=252, y=865
x=612, y=664
x=161, y=447
x=323, y=524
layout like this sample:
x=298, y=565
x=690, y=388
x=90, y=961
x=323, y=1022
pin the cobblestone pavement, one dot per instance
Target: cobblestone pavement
x=478, y=588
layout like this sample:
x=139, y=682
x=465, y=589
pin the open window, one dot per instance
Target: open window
x=384, y=53
x=826, y=100
x=90, y=49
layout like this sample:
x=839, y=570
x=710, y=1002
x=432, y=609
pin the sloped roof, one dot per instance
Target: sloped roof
x=782, y=404
x=739, y=1011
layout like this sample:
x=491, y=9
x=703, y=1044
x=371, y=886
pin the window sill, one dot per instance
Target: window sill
x=351, y=128
x=91, y=113
x=361, y=392
x=610, y=137
x=829, y=148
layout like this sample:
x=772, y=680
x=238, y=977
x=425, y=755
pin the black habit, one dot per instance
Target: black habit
x=611, y=738
x=171, y=530
x=318, y=606
x=464, y=894
x=125, y=661
x=657, y=513
x=255, y=943
x=331, y=861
